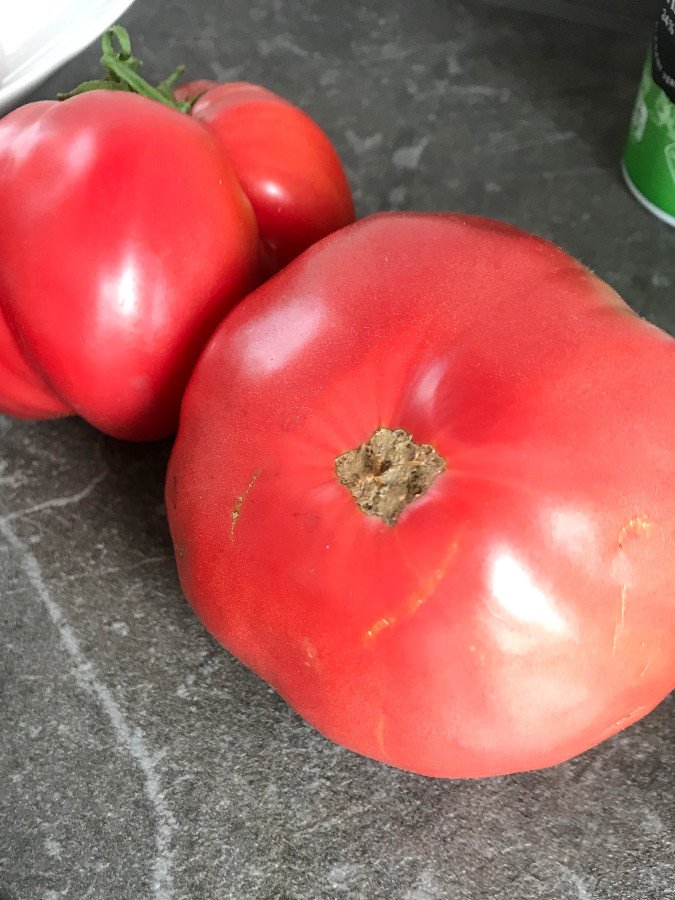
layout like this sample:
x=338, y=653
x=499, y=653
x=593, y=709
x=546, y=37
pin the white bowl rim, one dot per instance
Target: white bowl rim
x=77, y=35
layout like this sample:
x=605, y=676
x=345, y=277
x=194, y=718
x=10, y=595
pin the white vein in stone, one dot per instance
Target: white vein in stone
x=130, y=739
x=577, y=882
x=55, y=502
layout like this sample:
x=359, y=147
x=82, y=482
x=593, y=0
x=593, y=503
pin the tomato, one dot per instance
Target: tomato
x=423, y=486
x=125, y=238
x=285, y=164
x=130, y=229
x=22, y=392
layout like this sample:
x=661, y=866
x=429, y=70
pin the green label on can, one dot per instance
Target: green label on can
x=649, y=158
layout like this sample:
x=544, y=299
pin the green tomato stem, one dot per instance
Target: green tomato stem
x=122, y=67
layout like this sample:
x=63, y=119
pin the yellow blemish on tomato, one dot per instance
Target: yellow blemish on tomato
x=309, y=652
x=380, y=625
x=639, y=526
x=621, y=619
x=416, y=599
x=623, y=722
x=239, y=502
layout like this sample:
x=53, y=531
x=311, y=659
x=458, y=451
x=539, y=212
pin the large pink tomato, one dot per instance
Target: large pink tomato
x=424, y=486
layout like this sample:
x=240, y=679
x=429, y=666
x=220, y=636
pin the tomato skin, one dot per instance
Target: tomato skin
x=286, y=165
x=125, y=239
x=23, y=394
x=523, y=609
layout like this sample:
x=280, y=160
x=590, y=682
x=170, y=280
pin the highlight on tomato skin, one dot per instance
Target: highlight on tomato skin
x=422, y=486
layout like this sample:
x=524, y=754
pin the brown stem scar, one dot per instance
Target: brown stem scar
x=385, y=474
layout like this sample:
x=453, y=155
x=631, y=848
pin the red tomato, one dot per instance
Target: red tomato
x=286, y=165
x=522, y=607
x=22, y=392
x=125, y=238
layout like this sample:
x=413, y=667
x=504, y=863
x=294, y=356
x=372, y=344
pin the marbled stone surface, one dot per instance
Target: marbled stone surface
x=137, y=758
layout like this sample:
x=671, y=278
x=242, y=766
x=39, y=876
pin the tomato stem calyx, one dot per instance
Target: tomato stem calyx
x=385, y=474
x=122, y=67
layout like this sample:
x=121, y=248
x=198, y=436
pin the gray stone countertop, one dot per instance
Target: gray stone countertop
x=138, y=759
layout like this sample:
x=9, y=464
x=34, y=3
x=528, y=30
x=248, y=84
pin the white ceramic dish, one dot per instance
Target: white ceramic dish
x=37, y=36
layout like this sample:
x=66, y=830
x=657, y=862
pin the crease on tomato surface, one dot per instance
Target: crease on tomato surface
x=24, y=393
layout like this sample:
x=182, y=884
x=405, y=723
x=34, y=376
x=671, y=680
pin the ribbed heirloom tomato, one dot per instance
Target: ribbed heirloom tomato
x=286, y=165
x=125, y=238
x=131, y=224
x=423, y=486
